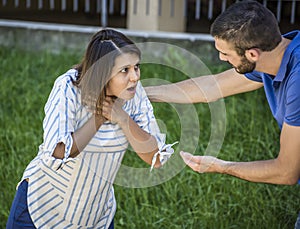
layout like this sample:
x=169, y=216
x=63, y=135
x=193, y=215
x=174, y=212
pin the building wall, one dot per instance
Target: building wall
x=189, y=16
x=37, y=36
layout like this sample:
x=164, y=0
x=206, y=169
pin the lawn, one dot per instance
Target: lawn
x=180, y=198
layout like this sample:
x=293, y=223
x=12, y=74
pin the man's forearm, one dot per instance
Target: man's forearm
x=284, y=169
x=268, y=171
x=182, y=92
x=201, y=89
x=273, y=171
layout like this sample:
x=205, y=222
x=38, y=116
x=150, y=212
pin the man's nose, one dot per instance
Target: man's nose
x=222, y=57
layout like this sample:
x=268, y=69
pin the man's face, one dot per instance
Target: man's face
x=246, y=66
x=226, y=53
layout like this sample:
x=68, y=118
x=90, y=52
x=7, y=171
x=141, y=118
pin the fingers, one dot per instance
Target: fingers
x=186, y=157
x=112, y=109
x=110, y=99
x=114, y=100
x=199, y=164
x=190, y=160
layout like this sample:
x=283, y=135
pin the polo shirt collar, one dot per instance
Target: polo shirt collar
x=294, y=36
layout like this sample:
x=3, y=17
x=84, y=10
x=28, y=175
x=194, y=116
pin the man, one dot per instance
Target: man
x=248, y=37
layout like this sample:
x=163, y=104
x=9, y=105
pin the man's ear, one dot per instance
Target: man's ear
x=253, y=54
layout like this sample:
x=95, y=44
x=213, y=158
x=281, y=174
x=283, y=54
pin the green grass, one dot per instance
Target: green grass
x=188, y=199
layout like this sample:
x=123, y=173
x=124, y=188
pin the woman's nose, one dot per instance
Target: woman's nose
x=134, y=75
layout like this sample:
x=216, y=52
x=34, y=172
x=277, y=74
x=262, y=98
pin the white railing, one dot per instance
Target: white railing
x=101, y=6
x=106, y=7
x=264, y=2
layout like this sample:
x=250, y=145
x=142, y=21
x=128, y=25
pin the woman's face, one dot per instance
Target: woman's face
x=124, y=77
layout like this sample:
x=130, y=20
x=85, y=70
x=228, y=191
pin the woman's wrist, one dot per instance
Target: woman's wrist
x=99, y=120
x=122, y=119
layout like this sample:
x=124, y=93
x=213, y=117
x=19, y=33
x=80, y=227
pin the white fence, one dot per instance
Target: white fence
x=200, y=8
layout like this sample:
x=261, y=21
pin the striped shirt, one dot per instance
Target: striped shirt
x=78, y=192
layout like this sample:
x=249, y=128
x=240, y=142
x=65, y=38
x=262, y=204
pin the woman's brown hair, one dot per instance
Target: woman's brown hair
x=94, y=71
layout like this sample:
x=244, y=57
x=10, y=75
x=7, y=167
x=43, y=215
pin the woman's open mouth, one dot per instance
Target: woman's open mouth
x=131, y=89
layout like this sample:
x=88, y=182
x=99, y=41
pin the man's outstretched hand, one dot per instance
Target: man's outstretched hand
x=202, y=164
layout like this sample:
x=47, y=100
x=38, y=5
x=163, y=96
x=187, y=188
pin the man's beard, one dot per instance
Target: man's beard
x=246, y=66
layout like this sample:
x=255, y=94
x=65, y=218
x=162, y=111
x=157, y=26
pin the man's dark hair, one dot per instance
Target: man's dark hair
x=247, y=24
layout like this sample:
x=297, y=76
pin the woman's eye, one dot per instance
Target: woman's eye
x=137, y=67
x=124, y=70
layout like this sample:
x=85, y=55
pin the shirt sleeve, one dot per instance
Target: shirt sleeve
x=59, y=122
x=292, y=113
x=145, y=118
x=255, y=76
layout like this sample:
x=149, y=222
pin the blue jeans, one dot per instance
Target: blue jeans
x=19, y=217
x=297, y=224
x=111, y=226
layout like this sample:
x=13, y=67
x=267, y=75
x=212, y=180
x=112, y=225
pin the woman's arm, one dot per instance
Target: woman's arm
x=81, y=137
x=61, y=138
x=143, y=143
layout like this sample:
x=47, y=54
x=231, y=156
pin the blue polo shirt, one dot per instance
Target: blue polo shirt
x=283, y=90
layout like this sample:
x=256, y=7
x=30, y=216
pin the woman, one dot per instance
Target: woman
x=94, y=110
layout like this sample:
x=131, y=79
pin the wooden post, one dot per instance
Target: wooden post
x=156, y=15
